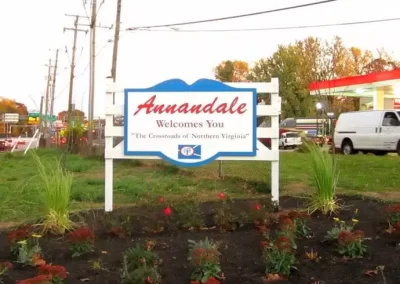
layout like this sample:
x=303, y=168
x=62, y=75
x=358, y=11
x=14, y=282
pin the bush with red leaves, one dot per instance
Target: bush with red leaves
x=82, y=241
x=56, y=271
x=40, y=279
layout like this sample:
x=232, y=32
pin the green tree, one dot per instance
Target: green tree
x=232, y=71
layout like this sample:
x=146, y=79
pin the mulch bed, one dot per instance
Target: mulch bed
x=241, y=259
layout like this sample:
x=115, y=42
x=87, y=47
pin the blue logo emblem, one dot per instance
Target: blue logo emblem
x=189, y=152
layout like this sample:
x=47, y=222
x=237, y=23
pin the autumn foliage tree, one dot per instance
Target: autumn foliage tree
x=305, y=61
x=232, y=71
x=11, y=106
x=76, y=115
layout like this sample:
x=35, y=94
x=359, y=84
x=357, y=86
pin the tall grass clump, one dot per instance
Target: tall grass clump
x=325, y=176
x=54, y=192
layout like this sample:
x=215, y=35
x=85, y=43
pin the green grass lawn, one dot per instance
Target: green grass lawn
x=137, y=182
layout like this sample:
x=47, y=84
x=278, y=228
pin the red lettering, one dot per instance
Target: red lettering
x=150, y=107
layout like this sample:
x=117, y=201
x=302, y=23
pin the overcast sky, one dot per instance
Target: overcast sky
x=30, y=28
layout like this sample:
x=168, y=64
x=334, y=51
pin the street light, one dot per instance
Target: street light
x=318, y=106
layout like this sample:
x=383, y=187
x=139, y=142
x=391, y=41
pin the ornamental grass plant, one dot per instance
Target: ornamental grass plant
x=54, y=192
x=325, y=176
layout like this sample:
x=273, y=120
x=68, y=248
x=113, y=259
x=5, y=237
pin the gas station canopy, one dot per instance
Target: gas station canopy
x=379, y=90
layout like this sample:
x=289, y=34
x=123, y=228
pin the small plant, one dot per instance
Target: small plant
x=55, y=193
x=350, y=244
x=313, y=255
x=5, y=267
x=29, y=251
x=279, y=256
x=40, y=279
x=58, y=273
x=325, y=175
x=143, y=275
x=204, y=256
x=97, y=265
x=81, y=241
x=393, y=212
x=301, y=228
x=261, y=216
x=150, y=244
x=16, y=236
x=340, y=226
x=189, y=216
x=119, y=227
x=226, y=218
x=140, y=266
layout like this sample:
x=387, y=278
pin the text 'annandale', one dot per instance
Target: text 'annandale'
x=150, y=106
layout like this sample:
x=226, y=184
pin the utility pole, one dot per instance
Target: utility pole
x=71, y=77
x=116, y=40
x=92, y=71
x=41, y=115
x=46, y=106
x=48, y=141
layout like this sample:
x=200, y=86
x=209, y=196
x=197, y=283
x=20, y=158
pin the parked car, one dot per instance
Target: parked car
x=374, y=131
x=289, y=140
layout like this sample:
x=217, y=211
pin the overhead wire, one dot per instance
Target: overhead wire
x=269, y=29
x=234, y=17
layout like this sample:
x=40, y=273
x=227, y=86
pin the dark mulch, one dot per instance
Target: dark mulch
x=241, y=254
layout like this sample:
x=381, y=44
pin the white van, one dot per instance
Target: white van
x=374, y=131
x=289, y=140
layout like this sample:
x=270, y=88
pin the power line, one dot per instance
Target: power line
x=101, y=4
x=272, y=28
x=235, y=16
x=84, y=7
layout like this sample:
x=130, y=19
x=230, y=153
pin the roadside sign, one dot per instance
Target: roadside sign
x=11, y=117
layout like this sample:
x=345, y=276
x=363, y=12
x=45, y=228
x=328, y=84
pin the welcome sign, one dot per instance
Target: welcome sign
x=190, y=125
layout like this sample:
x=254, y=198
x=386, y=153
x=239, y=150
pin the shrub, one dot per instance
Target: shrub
x=81, y=241
x=340, y=226
x=204, y=256
x=393, y=212
x=350, y=244
x=40, y=279
x=226, y=217
x=140, y=265
x=55, y=193
x=279, y=256
x=189, y=216
x=325, y=175
x=57, y=272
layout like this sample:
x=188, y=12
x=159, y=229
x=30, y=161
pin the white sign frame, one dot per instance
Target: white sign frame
x=200, y=96
x=262, y=154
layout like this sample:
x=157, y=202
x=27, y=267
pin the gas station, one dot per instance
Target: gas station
x=377, y=91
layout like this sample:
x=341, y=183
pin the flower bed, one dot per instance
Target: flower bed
x=223, y=242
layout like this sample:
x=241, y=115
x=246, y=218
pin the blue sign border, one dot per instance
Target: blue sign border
x=202, y=85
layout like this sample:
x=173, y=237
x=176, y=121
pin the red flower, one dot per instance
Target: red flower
x=40, y=279
x=81, y=235
x=167, y=211
x=221, y=195
x=53, y=270
x=212, y=280
x=258, y=207
x=345, y=238
x=162, y=200
x=358, y=235
x=18, y=235
x=5, y=265
x=283, y=243
x=287, y=225
x=265, y=244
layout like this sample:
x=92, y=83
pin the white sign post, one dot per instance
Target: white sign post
x=192, y=125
